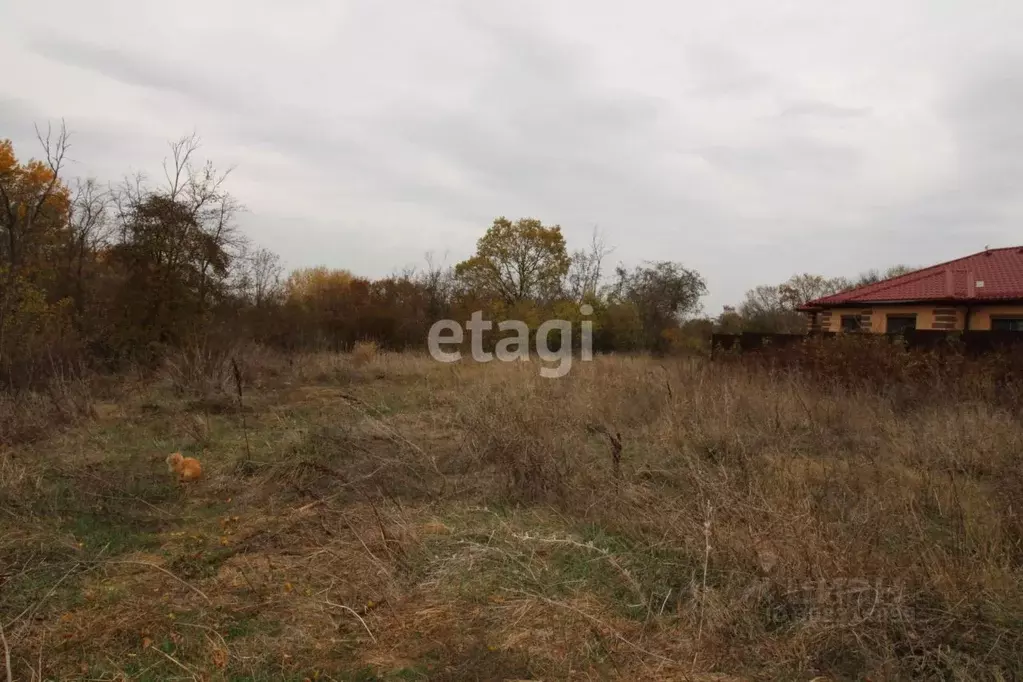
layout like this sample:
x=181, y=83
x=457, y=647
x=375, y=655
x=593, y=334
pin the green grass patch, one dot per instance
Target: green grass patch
x=110, y=534
x=48, y=589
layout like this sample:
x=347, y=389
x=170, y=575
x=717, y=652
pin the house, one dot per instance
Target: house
x=983, y=291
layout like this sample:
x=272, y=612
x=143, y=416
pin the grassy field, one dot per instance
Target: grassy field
x=385, y=517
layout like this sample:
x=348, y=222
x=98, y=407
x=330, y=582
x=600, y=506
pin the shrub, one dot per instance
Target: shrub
x=364, y=352
x=27, y=415
x=883, y=366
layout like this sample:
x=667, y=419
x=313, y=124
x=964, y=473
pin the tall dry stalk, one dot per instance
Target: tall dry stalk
x=615, y=442
x=241, y=404
x=7, y=653
x=703, y=586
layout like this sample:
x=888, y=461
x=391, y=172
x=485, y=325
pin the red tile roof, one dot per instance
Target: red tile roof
x=992, y=275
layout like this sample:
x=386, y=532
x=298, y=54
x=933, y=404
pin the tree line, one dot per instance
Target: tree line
x=773, y=308
x=102, y=275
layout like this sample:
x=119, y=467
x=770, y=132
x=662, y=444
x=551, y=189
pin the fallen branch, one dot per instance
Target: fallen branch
x=175, y=662
x=597, y=621
x=354, y=613
x=636, y=587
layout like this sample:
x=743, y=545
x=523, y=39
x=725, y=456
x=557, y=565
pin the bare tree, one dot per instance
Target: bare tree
x=89, y=229
x=200, y=190
x=586, y=271
x=125, y=198
x=89, y=218
x=178, y=243
x=258, y=278
x=438, y=281
x=768, y=308
x=874, y=275
x=799, y=289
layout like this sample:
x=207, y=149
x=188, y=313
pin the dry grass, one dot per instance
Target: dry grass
x=395, y=518
x=364, y=352
x=28, y=415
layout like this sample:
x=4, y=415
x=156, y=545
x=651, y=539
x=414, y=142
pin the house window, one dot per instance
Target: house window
x=850, y=323
x=1007, y=324
x=897, y=324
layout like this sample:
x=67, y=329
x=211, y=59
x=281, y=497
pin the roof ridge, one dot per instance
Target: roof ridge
x=906, y=278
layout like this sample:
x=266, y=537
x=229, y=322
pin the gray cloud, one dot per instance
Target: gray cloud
x=983, y=111
x=539, y=131
x=719, y=71
x=17, y=114
x=129, y=68
x=823, y=110
x=976, y=203
x=745, y=142
x=797, y=154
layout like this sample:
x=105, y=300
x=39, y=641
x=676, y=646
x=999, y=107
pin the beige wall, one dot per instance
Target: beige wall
x=980, y=318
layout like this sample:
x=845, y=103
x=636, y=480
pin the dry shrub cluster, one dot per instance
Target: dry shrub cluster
x=202, y=374
x=263, y=367
x=364, y=352
x=874, y=363
x=29, y=414
x=203, y=370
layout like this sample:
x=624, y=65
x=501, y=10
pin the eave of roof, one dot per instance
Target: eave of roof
x=956, y=282
x=812, y=307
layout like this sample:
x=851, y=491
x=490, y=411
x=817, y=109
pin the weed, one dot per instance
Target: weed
x=432, y=521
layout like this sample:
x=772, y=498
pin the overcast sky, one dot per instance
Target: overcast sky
x=748, y=140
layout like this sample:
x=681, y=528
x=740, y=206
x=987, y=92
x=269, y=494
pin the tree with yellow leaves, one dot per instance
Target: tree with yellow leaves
x=514, y=262
x=310, y=285
x=34, y=202
x=34, y=209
